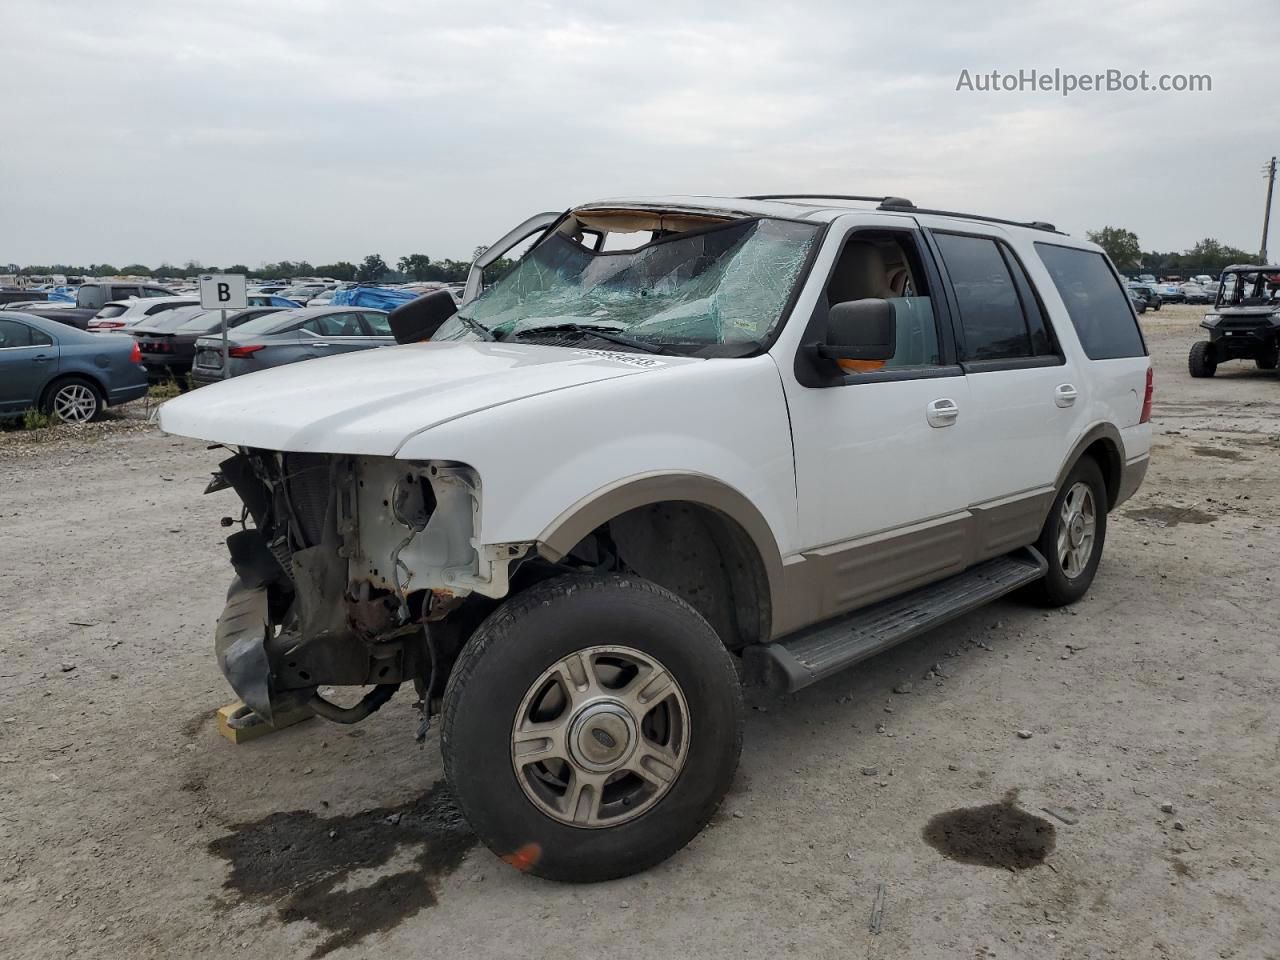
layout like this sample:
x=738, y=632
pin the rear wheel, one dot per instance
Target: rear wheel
x=1201, y=362
x=73, y=400
x=591, y=727
x=1268, y=356
x=1073, y=535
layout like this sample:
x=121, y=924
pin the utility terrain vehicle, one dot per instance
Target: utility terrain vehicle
x=1245, y=322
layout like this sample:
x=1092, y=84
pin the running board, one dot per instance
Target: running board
x=817, y=652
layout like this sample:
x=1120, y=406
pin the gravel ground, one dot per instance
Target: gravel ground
x=1146, y=717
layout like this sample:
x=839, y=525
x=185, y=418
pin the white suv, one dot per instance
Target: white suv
x=678, y=433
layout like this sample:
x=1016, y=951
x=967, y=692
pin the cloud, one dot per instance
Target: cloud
x=225, y=130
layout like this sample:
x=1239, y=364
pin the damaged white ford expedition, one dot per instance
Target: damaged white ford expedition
x=680, y=440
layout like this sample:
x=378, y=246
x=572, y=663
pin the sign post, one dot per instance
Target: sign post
x=223, y=292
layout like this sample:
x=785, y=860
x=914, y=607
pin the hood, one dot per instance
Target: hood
x=372, y=401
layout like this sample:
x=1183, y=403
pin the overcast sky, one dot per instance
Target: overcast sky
x=228, y=131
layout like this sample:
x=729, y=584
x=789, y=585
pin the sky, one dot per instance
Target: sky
x=225, y=131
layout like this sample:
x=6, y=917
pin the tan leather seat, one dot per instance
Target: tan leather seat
x=861, y=273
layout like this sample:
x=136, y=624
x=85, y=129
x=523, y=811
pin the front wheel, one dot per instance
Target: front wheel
x=592, y=726
x=1268, y=356
x=1073, y=535
x=1201, y=361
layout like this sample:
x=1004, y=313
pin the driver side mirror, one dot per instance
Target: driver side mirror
x=420, y=318
x=860, y=330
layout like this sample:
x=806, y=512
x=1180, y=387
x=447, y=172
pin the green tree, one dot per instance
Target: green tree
x=416, y=265
x=237, y=268
x=136, y=270
x=342, y=270
x=1120, y=244
x=103, y=270
x=371, y=269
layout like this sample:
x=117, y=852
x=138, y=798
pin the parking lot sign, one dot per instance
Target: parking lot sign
x=223, y=291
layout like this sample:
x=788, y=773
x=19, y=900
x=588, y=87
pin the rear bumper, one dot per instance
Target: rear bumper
x=1135, y=471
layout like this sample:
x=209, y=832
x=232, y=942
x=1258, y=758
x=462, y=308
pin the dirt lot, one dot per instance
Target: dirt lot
x=129, y=827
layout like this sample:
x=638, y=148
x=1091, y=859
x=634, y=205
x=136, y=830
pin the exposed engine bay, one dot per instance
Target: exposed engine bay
x=346, y=563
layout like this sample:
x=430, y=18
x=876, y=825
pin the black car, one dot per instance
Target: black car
x=1148, y=293
x=1245, y=322
x=168, y=341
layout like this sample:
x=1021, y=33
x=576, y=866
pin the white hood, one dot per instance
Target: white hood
x=373, y=401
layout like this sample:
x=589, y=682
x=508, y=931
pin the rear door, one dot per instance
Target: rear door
x=28, y=360
x=334, y=333
x=1024, y=391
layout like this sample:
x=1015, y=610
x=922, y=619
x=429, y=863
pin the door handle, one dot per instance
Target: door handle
x=41, y=358
x=942, y=412
x=1065, y=395
x=321, y=344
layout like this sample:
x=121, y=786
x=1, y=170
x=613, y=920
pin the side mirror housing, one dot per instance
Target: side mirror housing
x=860, y=330
x=420, y=318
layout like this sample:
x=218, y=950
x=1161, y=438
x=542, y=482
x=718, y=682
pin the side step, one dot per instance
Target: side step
x=817, y=652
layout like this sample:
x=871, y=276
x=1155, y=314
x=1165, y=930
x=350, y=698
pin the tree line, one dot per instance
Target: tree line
x=1208, y=256
x=372, y=269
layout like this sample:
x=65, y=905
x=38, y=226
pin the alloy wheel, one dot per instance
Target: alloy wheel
x=600, y=736
x=1077, y=529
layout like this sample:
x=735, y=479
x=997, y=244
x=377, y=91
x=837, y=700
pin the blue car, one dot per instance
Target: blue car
x=271, y=300
x=68, y=373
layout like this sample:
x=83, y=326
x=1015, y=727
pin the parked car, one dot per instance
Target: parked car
x=854, y=424
x=271, y=300
x=1202, y=279
x=289, y=336
x=1170, y=292
x=96, y=294
x=65, y=372
x=305, y=293
x=1244, y=324
x=1138, y=300
x=121, y=314
x=168, y=342
x=1194, y=293
x=1147, y=278
x=1147, y=293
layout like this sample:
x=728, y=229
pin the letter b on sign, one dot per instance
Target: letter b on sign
x=223, y=291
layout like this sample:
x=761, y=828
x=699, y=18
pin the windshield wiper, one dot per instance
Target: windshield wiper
x=476, y=326
x=587, y=329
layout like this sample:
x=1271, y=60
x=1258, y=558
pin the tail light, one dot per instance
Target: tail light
x=245, y=351
x=1146, y=400
x=136, y=355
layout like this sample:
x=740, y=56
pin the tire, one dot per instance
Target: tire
x=1267, y=359
x=520, y=814
x=1201, y=362
x=73, y=400
x=1067, y=582
x=1156, y=307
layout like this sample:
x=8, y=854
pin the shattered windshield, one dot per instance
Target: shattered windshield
x=724, y=286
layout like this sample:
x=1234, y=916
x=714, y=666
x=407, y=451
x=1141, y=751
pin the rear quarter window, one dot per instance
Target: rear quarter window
x=1099, y=308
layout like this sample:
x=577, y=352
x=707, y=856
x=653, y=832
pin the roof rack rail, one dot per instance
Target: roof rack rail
x=897, y=201
x=892, y=204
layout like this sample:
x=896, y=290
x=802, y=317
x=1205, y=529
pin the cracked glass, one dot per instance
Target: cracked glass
x=724, y=286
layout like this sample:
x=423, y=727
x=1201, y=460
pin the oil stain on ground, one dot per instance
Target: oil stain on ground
x=995, y=835
x=300, y=864
x=1171, y=516
x=1220, y=453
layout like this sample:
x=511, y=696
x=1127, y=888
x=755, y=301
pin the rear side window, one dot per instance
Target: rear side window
x=990, y=307
x=14, y=334
x=123, y=293
x=378, y=324
x=1099, y=310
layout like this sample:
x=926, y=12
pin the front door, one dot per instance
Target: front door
x=880, y=453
